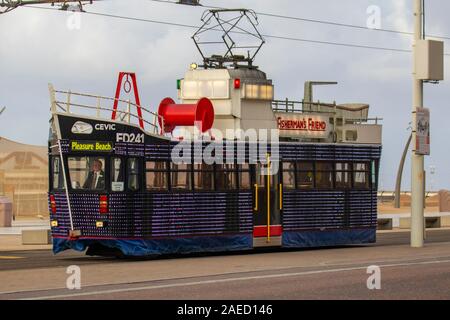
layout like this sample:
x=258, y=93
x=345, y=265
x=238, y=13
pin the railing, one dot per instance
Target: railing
x=375, y=120
x=385, y=193
x=102, y=107
x=300, y=106
x=291, y=106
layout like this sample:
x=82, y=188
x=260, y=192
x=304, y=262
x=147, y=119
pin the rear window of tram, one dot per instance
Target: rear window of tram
x=57, y=174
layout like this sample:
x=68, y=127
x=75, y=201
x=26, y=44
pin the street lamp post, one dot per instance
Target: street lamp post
x=417, y=161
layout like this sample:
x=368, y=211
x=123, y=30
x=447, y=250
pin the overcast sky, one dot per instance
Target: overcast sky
x=37, y=47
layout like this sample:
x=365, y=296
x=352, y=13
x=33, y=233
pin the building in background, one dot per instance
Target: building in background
x=24, y=177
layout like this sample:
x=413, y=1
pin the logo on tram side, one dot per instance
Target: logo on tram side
x=302, y=124
x=81, y=127
x=105, y=126
x=91, y=146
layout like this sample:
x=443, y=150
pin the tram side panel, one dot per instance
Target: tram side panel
x=319, y=218
x=140, y=222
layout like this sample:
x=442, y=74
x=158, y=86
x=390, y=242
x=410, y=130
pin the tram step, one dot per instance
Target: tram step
x=262, y=242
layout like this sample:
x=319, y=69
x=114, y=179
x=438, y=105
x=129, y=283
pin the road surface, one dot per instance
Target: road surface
x=332, y=273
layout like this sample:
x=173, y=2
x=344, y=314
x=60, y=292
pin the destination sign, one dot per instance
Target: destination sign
x=91, y=146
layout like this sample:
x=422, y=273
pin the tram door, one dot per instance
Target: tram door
x=267, y=214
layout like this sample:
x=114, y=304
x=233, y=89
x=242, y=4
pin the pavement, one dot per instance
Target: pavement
x=397, y=216
x=11, y=237
x=25, y=224
x=331, y=273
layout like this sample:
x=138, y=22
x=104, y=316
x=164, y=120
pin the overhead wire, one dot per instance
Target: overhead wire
x=165, y=22
x=318, y=21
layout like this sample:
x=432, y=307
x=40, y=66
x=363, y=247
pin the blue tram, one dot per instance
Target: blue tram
x=229, y=168
x=115, y=187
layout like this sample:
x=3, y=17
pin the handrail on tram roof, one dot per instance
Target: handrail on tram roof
x=301, y=106
x=298, y=106
x=66, y=106
x=306, y=107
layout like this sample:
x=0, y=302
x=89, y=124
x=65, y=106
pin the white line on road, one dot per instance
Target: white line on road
x=270, y=276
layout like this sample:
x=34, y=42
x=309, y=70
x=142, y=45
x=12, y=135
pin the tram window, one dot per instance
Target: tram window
x=244, y=178
x=134, y=175
x=87, y=173
x=226, y=177
x=57, y=174
x=156, y=165
x=324, y=175
x=288, y=166
x=305, y=175
x=343, y=175
x=261, y=173
x=203, y=177
x=218, y=89
x=156, y=175
x=180, y=176
x=261, y=176
x=289, y=175
x=361, y=175
x=117, y=174
x=373, y=175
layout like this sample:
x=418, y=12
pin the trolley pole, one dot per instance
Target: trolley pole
x=417, y=163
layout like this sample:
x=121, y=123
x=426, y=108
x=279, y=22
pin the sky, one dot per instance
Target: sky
x=37, y=47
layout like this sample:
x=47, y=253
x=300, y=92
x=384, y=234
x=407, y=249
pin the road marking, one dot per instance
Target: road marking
x=236, y=279
x=10, y=257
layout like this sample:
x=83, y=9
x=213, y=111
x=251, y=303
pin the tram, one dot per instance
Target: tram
x=203, y=175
